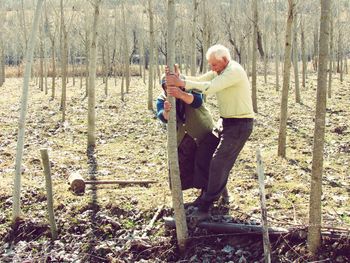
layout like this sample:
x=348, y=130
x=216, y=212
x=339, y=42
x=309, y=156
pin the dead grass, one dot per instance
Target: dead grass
x=131, y=144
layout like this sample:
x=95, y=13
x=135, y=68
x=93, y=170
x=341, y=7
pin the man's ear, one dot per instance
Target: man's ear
x=225, y=59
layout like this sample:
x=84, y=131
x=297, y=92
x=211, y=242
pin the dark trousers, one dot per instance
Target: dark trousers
x=203, y=158
x=186, y=152
x=234, y=135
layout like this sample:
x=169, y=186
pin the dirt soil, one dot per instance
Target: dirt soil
x=109, y=223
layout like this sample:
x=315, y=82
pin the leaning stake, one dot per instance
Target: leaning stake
x=260, y=171
x=47, y=171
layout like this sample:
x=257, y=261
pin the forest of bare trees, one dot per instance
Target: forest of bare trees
x=59, y=44
x=125, y=29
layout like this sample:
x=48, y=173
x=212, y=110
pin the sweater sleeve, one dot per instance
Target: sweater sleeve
x=205, y=77
x=226, y=79
x=197, y=100
x=160, y=110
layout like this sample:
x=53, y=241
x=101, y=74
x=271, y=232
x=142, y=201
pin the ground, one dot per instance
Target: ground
x=108, y=223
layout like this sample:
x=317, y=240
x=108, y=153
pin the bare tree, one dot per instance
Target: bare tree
x=331, y=57
x=64, y=62
x=340, y=67
x=2, y=63
x=295, y=60
x=23, y=113
x=180, y=217
x=315, y=55
x=282, y=136
x=126, y=50
x=303, y=51
x=2, y=55
x=52, y=37
x=23, y=24
x=92, y=77
x=314, y=233
x=194, y=38
x=277, y=53
x=41, y=55
x=254, y=43
x=151, y=56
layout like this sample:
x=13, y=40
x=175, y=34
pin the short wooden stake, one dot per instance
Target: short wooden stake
x=260, y=171
x=47, y=171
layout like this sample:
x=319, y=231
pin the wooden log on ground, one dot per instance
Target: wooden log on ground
x=230, y=227
x=297, y=233
x=77, y=182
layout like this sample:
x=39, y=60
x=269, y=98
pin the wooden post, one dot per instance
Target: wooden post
x=260, y=171
x=176, y=191
x=47, y=171
x=22, y=118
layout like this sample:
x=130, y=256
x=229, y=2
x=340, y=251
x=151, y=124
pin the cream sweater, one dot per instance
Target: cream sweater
x=231, y=87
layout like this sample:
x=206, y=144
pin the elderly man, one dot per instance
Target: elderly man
x=229, y=82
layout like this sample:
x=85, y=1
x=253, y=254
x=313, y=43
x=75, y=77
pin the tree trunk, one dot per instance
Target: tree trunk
x=2, y=64
x=314, y=231
x=151, y=56
x=249, y=55
x=303, y=52
x=142, y=58
x=206, y=37
x=277, y=53
x=64, y=57
x=87, y=60
x=92, y=76
x=126, y=50
x=157, y=67
x=64, y=75
x=53, y=77
x=194, y=39
x=331, y=57
x=265, y=56
x=122, y=69
x=315, y=57
x=286, y=78
x=180, y=217
x=41, y=59
x=108, y=65
x=45, y=66
x=255, y=32
x=24, y=26
x=105, y=68
x=295, y=61
x=23, y=113
x=340, y=56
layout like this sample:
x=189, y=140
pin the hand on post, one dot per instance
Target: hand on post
x=167, y=106
x=175, y=92
x=173, y=80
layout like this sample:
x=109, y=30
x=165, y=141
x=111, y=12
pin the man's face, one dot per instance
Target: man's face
x=217, y=65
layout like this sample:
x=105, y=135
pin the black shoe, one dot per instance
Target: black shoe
x=197, y=201
x=204, y=206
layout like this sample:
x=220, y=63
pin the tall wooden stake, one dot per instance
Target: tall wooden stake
x=260, y=171
x=180, y=216
x=47, y=172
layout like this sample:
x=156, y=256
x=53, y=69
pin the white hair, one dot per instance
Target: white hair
x=219, y=51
